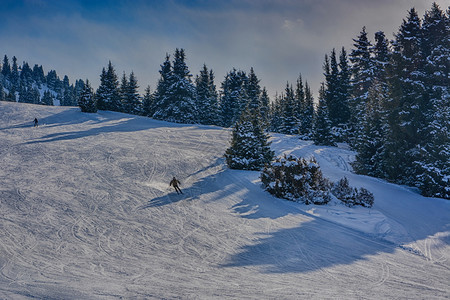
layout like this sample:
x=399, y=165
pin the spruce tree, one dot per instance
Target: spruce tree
x=14, y=78
x=265, y=107
x=207, y=102
x=131, y=102
x=6, y=68
x=250, y=146
x=371, y=151
x=407, y=105
x=322, y=125
x=108, y=96
x=433, y=168
x=162, y=99
x=47, y=98
x=233, y=98
x=182, y=92
x=307, y=119
x=275, y=114
x=289, y=117
x=362, y=70
x=176, y=101
x=253, y=92
x=148, y=102
x=87, y=101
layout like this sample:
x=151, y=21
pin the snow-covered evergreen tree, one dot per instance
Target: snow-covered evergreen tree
x=362, y=70
x=322, y=125
x=250, y=146
x=289, y=115
x=131, y=101
x=296, y=179
x=148, y=103
x=371, y=149
x=87, y=101
x=47, y=98
x=253, y=92
x=207, y=98
x=433, y=173
x=265, y=107
x=162, y=99
x=406, y=105
x=107, y=95
x=176, y=102
x=233, y=99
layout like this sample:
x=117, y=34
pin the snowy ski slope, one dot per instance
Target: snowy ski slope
x=86, y=212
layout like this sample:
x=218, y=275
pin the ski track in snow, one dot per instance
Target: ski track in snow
x=86, y=212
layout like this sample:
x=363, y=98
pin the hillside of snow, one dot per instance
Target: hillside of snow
x=86, y=212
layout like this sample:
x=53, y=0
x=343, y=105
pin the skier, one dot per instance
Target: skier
x=35, y=122
x=175, y=184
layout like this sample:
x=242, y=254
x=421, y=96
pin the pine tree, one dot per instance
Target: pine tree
x=275, y=114
x=290, y=122
x=265, y=107
x=362, y=70
x=148, y=103
x=332, y=91
x=233, y=98
x=176, y=103
x=207, y=102
x=131, y=103
x=162, y=99
x=253, y=92
x=182, y=91
x=322, y=125
x=108, y=96
x=2, y=92
x=308, y=121
x=6, y=68
x=87, y=101
x=433, y=168
x=47, y=98
x=250, y=148
x=14, y=78
x=371, y=151
x=407, y=104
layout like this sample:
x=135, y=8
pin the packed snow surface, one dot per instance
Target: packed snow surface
x=86, y=212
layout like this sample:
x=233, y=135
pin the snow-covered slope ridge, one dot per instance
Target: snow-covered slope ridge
x=86, y=212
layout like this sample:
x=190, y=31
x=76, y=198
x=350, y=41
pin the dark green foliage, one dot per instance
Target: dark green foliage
x=289, y=114
x=148, y=103
x=207, y=98
x=296, y=179
x=322, y=125
x=175, y=95
x=131, y=102
x=47, y=98
x=108, y=95
x=352, y=196
x=249, y=148
x=371, y=150
x=87, y=101
x=234, y=97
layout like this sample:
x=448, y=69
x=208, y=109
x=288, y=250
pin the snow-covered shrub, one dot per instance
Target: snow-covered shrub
x=352, y=196
x=296, y=179
x=365, y=198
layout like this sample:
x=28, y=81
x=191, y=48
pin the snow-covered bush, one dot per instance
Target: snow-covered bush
x=296, y=179
x=352, y=196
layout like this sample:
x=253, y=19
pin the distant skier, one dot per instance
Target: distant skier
x=175, y=184
x=36, y=122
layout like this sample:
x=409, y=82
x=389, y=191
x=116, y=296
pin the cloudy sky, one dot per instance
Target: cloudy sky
x=278, y=38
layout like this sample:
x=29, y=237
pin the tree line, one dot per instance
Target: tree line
x=24, y=84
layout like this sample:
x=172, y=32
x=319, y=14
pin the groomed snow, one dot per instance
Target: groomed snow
x=86, y=212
